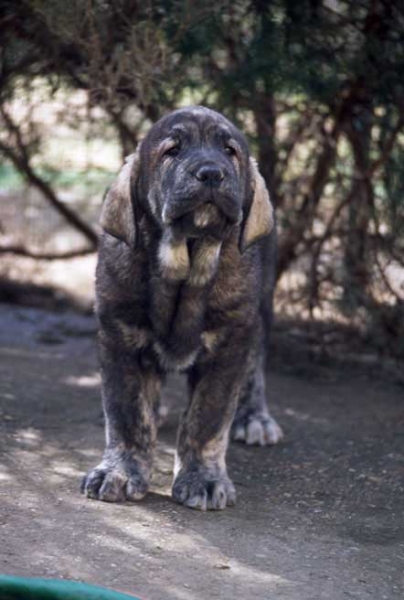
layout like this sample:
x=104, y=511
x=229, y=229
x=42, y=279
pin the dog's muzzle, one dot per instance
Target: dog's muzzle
x=214, y=214
x=207, y=204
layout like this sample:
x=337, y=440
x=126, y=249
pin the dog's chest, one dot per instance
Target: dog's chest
x=178, y=315
x=190, y=292
x=180, y=287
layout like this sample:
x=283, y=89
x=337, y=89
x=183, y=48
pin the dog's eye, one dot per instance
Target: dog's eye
x=230, y=151
x=173, y=151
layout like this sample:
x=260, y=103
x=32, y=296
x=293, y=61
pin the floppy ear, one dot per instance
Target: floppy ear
x=259, y=220
x=118, y=213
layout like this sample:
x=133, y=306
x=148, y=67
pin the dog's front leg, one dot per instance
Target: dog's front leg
x=201, y=479
x=130, y=388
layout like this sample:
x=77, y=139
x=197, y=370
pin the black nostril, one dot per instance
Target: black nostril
x=210, y=174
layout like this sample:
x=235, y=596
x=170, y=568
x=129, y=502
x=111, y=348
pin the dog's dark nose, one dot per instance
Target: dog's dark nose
x=210, y=174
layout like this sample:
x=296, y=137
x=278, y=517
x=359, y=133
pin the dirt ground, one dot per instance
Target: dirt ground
x=319, y=516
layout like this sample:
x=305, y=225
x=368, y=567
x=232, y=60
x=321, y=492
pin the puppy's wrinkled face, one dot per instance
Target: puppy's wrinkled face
x=196, y=174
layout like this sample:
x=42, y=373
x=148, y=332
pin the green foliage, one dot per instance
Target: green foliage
x=10, y=178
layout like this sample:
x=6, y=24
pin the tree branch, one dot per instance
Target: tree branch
x=22, y=251
x=288, y=246
x=20, y=160
x=388, y=147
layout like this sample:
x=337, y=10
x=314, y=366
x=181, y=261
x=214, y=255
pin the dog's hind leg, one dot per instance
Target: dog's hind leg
x=253, y=423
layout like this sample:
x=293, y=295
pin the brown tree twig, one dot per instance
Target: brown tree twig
x=386, y=243
x=22, y=251
x=318, y=245
x=388, y=147
x=21, y=160
x=294, y=137
x=385, y=279
x=288, y=246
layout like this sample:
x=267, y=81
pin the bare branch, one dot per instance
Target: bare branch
x=288, y=246
x=388, y=147
x=20, y=159
x=22, y=251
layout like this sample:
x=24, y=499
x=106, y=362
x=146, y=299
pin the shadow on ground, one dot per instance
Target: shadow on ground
x=318, y=517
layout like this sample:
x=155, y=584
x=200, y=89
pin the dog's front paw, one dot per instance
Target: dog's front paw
x=196, y=489
x=115, y=481
x=256, y=429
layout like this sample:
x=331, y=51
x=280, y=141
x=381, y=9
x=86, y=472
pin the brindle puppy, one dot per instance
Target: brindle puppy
x=184, y=283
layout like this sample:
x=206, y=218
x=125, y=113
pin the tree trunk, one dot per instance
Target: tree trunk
x=265, y=121
x=356, y=251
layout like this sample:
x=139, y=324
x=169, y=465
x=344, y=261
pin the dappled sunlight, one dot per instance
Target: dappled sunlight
x=304, y=416
x=29, y=437
x=5, y=475
x=86, y=381
x=156, y=535
x=179, y=541
x=284, y=525
x=27, y=353
x=65, y=470
x=48, y=461
x=89, y=453
x=149, y=548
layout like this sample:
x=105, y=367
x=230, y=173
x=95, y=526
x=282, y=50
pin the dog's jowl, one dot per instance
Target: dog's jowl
x=184, y=282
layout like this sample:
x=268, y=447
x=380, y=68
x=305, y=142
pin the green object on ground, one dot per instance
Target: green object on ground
x=25, y=588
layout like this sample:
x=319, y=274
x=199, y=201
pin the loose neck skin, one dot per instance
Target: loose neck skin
x=180, y=292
